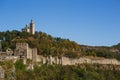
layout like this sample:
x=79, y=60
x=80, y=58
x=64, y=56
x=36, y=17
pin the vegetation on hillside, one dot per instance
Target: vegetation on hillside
x=18, y=71
x=9, y=70
x=55, y=46
x=78, y=72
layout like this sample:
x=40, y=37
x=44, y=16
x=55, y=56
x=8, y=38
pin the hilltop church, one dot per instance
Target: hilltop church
x=29, y=28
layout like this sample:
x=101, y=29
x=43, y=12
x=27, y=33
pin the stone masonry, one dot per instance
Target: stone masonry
x=25, y=52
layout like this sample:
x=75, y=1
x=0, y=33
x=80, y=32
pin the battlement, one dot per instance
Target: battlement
x=21, y=44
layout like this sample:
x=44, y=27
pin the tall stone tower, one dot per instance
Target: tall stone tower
x=32, y=27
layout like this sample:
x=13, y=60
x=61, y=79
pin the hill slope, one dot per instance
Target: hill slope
x=48, y=45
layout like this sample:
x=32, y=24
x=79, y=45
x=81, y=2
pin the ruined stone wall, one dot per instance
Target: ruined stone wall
x=34, y=55
x=68, y=61
x=81, y=60
x=29, y=53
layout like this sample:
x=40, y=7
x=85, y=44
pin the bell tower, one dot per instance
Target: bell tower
x=32, y=27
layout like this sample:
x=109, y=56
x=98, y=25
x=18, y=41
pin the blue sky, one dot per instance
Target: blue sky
x=89, y=22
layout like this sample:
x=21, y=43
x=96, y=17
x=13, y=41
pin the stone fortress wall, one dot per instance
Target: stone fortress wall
x=81, y=60
x=25, y=52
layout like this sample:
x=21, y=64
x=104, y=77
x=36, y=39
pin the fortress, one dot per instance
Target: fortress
x=29, y=28
x=30, y=55
x=24, y=52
